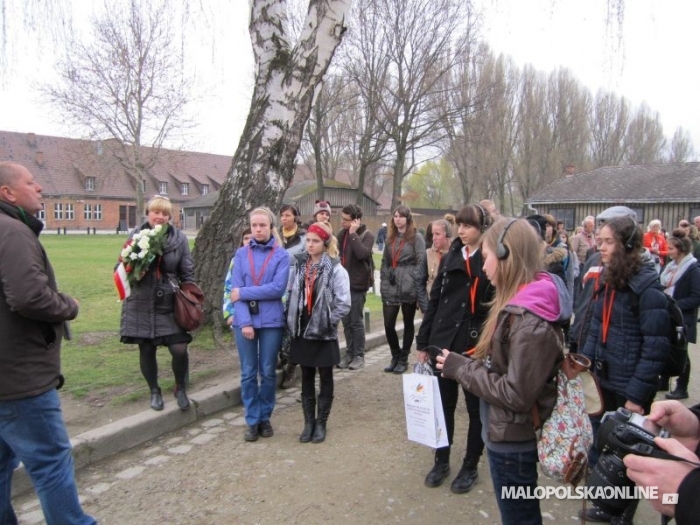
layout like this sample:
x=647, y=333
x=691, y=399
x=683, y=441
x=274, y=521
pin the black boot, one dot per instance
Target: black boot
x=441, y=468
x=324, y=410
x=681, y=390
x=466, y=478
x=183, y=401
x=308, y=404
x=402, y=364
x=394, y=361
x=156, y=399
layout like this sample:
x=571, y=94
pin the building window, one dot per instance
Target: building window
x=70, y=212
x=163, y=188
x=41, y=214
x=205, y=189
x=566, y=215
x=87, y=212
x=640, y=216
x=185, y=188
x=58, y=211
x=98, y=212
x=90, y=183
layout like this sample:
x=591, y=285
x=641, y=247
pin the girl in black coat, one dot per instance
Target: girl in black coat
x=148, y=314
x=456, y=311
x=681, y=279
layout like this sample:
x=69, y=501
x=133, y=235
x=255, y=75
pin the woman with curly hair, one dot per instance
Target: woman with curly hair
x=627, y=338
x=404, y=251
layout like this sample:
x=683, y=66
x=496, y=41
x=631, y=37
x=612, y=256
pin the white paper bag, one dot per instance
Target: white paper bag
x=425, y=420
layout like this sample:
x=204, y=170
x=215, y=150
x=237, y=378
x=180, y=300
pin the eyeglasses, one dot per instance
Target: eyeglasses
x=684, y=225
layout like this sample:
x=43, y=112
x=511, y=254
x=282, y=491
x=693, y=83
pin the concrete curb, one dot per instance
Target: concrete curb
x=100, y=443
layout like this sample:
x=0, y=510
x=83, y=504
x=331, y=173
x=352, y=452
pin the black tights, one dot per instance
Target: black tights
x=391, y=313
x=149, y=365
x=308, y=379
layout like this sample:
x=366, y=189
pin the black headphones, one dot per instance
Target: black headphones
x=629, y=244
x=483, y=226
x=502, y=251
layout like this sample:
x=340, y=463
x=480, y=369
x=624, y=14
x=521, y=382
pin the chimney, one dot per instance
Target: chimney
x=31, y=139
x=40, y=158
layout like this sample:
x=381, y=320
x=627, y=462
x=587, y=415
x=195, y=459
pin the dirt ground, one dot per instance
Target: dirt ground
x=365, y=472
x=207, y=369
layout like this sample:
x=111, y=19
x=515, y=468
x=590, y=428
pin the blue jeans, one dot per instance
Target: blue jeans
x=32, y=431
x=515, y=469
x=258, y=357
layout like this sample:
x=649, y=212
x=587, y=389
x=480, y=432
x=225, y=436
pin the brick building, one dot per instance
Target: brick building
x=84, y=186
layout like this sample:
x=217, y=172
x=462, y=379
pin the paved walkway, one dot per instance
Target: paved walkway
x=365, y=472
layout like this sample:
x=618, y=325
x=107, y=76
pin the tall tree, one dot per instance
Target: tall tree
x=608, y=121
x=325, y=135
x=286, y=78
x=366, y=65
x=645, y=137
x=424, y=39
x=681, y=149
x=126, y=82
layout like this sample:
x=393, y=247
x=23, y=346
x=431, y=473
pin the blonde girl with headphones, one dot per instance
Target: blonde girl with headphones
x=514, y=360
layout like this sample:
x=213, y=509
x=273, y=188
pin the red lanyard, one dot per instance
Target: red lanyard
x=474, y=283
x=257, y=279
x=396, y=254
x=309, y=280
x=607, y=312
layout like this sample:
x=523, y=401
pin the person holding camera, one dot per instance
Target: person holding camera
x=453, y=318
x=258, y=282
x=627, y=338
x=518, y=352
x=672, y=477
x=148, y=314
x=319, y=296
x=403, y=253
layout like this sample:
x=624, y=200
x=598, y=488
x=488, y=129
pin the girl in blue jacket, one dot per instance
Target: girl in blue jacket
x=258, y=282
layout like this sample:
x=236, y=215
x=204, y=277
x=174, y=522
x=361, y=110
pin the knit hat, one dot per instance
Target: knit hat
x=614, y=212
x=322, y=206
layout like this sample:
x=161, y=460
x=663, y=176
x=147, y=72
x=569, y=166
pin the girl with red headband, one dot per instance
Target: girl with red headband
x=319, y=296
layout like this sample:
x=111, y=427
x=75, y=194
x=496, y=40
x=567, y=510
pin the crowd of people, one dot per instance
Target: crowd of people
x=502, y=300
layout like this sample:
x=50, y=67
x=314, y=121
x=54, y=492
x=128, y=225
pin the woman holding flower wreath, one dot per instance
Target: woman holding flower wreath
x=157, y=255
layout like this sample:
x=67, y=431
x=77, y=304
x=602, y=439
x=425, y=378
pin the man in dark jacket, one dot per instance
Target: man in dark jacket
x=32, y=318
x=355, y=244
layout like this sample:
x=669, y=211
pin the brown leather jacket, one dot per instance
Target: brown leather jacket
x=526, y=351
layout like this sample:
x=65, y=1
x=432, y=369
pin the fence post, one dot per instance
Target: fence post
x=367, y=323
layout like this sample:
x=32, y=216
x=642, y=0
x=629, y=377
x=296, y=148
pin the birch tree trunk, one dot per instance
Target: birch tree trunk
x=263, y=165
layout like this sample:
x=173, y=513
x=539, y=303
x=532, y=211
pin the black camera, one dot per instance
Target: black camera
x=621, y=433
x=253, y=307
x=392, y=277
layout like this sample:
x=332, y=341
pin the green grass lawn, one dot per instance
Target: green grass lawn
x=95, y=362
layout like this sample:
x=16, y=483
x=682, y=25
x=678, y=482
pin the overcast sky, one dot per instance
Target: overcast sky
x=655, y=62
